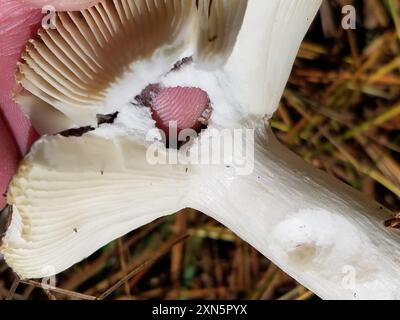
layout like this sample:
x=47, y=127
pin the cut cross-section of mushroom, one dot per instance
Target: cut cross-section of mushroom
x=80, y=67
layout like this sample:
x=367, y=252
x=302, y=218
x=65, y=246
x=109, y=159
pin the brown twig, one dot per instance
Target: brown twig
x=71, y=294
x=140, y=268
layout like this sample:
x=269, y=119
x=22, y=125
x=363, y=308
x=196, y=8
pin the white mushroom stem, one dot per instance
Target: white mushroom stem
x=322, y=232
x=277, y=40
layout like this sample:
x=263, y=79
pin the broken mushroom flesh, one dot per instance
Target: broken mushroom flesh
x=110, y=171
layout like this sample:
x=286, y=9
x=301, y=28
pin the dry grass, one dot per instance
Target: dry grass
x=341, y=112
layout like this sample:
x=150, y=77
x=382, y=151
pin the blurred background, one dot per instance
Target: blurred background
x=340, y=112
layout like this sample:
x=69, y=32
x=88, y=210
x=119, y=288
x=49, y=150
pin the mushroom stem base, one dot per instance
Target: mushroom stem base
x=325, y=234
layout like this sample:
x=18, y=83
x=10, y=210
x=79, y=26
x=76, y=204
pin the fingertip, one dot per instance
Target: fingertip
x=19, y=23
x=9, y=159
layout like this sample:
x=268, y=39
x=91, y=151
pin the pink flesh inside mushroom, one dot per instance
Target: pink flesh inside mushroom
x=189, y=107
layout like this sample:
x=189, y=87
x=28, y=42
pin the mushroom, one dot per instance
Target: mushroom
x=104, y=77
